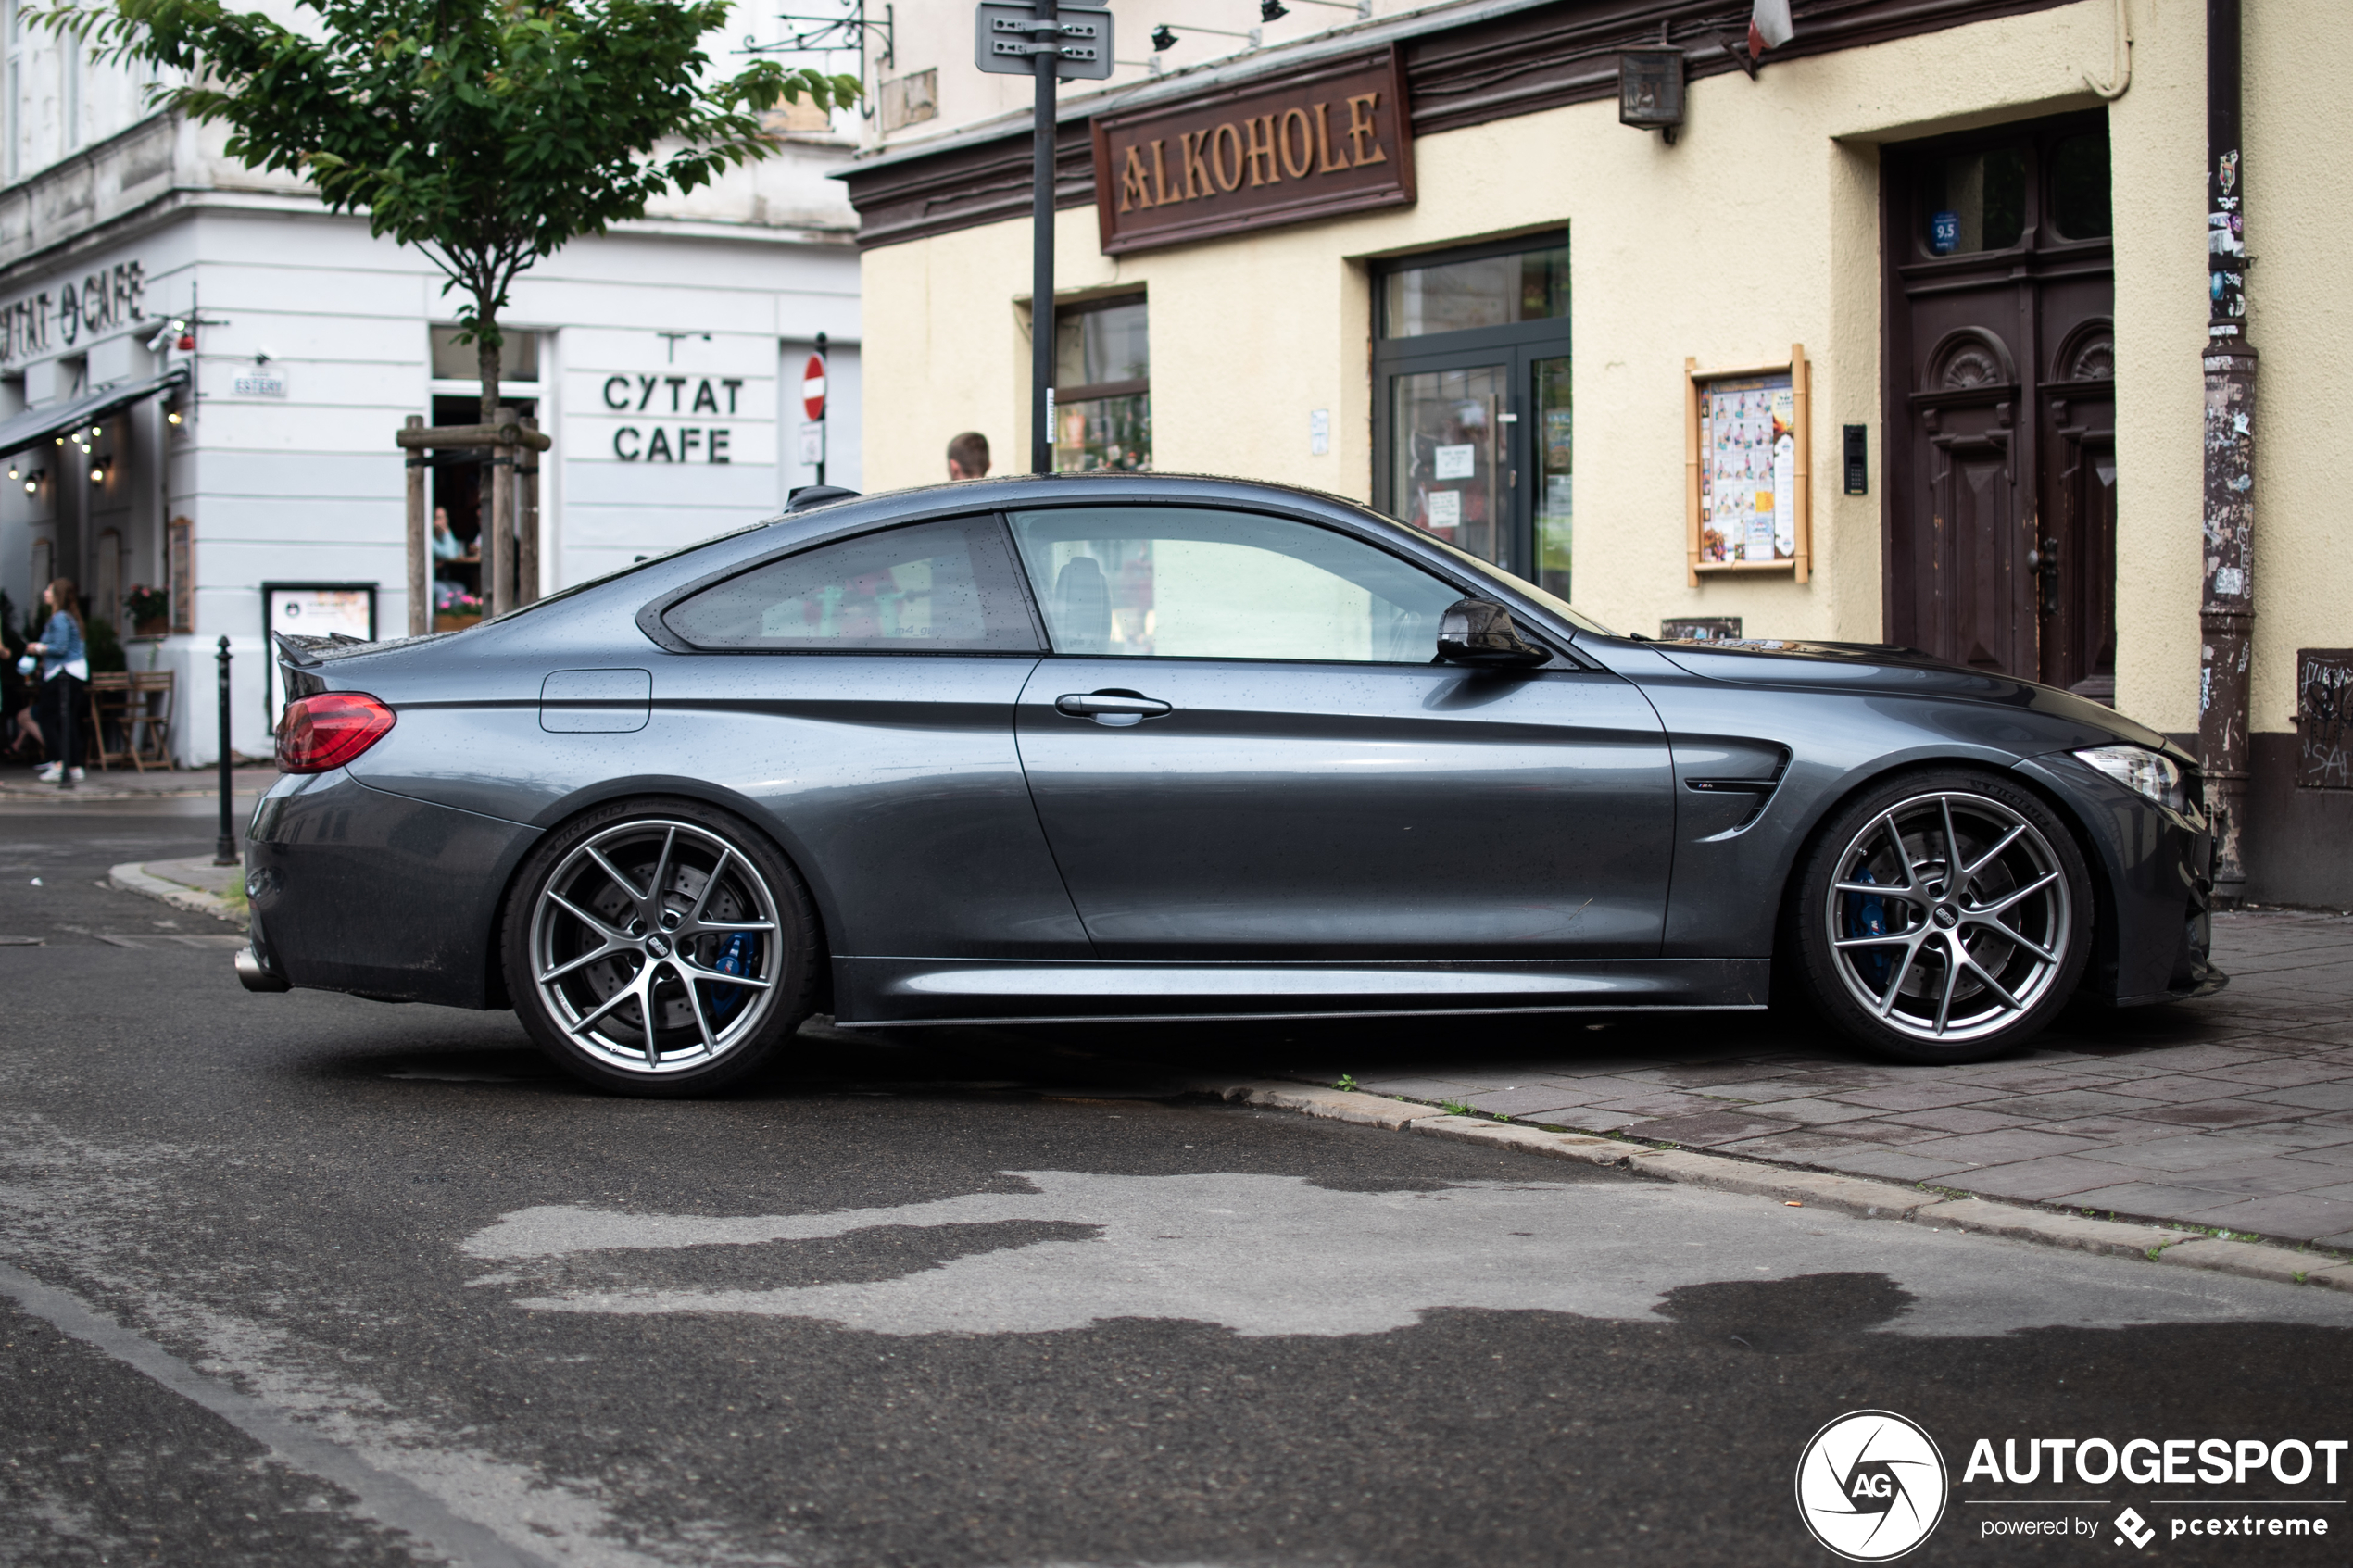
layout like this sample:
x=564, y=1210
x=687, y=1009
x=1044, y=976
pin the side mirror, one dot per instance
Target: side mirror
x=1479, y=633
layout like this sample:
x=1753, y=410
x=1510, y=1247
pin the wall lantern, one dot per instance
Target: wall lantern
x=1650, y=90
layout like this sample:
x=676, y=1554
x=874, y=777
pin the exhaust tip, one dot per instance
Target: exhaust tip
x=253, y=978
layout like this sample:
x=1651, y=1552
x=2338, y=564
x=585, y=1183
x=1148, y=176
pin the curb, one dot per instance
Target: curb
x=132, y=877
x=2177, y=1246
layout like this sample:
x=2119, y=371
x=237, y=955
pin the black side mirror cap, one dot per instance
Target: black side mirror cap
x=1479, y=633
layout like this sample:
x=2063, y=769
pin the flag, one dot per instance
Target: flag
x=1769, y=26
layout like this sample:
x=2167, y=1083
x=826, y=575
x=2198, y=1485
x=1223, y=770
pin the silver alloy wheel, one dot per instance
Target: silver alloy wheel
x=656, y=946
x=1949, y=916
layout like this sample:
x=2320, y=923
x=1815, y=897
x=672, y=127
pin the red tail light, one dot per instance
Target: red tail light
x=330, y=730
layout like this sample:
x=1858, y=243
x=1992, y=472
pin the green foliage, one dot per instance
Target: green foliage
x=103, y=649
x=486, y=134
x=1347, y=1083
x=147, y=604
x=1455, y=1107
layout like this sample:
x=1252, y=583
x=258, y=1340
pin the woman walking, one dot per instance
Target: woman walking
x=65, y=675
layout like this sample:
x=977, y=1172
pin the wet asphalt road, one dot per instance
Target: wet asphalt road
x=967, y=1301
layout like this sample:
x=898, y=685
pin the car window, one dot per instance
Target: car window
x=1196, y=583
x=934, y=587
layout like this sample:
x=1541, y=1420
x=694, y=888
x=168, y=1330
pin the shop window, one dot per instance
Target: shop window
x=1975, y=201
x=2079, y=188
x=1102, y=388
x=1488, y=291
x=518, y=357
x=460, y=475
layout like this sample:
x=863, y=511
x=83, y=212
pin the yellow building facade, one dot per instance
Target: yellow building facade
x=1904, y=198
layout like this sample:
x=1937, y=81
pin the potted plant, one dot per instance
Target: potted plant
x=150, y=610
x=457, y=612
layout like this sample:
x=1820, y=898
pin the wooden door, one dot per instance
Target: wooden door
x=2000, y=470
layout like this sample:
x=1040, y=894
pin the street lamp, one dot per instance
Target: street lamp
x=1275, y=10
x=1165, y=37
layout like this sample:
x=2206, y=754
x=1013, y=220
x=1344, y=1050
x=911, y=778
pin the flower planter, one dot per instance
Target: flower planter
x=444, y=621
x=152, y=626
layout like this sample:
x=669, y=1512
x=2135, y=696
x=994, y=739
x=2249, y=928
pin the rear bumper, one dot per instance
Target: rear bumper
x=356, y=889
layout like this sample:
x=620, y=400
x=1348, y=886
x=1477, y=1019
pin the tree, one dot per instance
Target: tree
x=486, y=133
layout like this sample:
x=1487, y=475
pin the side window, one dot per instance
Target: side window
x=936, y=587
x=1188, y=582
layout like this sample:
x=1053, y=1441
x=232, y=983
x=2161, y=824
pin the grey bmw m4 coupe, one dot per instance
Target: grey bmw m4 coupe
x=1143, y=747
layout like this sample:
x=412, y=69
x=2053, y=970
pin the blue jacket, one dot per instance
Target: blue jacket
x=61, y=643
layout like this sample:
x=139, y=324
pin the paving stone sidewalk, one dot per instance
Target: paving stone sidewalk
x=123, y=782
x=2234, y=1113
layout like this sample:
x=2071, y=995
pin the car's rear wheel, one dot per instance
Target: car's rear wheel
x=660, y=947
x=1942, y=917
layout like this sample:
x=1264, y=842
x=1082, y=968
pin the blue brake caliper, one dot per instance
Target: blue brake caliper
x=740, y=953
x=1866, y=916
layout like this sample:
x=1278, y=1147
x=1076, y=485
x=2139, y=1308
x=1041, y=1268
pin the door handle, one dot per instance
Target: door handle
x=1116, y=709
x=2044, y=564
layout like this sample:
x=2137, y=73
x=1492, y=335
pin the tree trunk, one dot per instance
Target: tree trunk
x=486, y=358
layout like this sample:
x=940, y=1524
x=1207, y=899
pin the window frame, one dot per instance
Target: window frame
x=1387, y=267
x=1088, y=392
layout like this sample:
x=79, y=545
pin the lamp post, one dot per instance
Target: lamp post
x=224, y=848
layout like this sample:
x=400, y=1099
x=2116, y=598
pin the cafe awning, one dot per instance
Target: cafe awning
x=42, y=426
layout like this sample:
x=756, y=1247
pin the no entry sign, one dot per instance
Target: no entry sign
x=813, y=387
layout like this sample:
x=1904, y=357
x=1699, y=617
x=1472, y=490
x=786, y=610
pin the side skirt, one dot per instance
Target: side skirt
x=890, y=991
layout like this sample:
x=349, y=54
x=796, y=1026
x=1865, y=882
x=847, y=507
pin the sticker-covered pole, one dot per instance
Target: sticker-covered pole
x=2226, y=613
x=1045, y=62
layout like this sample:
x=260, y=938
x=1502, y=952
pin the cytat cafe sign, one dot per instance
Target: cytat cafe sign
x=1332, y=139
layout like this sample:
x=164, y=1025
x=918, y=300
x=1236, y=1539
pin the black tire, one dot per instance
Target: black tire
x=1913, y=963
x=641, y=907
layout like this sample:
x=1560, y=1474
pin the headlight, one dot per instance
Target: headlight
x=2145, y=773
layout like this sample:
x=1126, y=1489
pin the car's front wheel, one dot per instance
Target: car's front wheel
x=1942, y=917
x=660, y=948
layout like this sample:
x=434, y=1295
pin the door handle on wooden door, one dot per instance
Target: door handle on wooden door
x=2044, y=563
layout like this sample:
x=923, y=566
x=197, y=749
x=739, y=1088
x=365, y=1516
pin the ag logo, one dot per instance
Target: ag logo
x=1870, y=1485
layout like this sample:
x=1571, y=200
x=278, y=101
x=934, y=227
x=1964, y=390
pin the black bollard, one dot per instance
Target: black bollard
x=224, y=853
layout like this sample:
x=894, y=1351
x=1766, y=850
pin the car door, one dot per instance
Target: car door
x=1241, y=747
x=861, y=691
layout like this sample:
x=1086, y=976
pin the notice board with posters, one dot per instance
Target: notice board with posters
x=1748, y=485
x=310, y=609
x=1333, y=138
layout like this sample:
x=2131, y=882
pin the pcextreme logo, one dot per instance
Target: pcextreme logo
x=1870, y=1485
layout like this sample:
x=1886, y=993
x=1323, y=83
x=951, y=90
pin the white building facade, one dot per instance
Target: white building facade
x=236, y=361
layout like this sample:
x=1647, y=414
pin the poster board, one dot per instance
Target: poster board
x=1748, y=470
x=310, y=609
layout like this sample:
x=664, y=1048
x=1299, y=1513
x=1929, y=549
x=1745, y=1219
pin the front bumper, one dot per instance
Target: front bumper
x=2153, y=937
